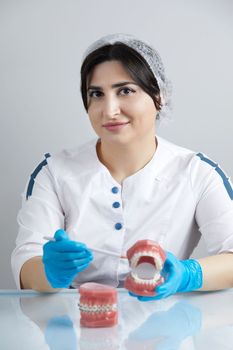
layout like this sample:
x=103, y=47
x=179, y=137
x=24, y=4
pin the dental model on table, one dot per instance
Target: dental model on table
x=98, y=305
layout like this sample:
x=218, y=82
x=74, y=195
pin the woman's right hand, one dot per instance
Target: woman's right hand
x=63, y=259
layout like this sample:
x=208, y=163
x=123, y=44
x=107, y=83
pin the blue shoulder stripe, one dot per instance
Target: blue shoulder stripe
x=225, y=179
x=34, y=174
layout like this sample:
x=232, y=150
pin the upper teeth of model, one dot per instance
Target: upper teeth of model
x=154, y=274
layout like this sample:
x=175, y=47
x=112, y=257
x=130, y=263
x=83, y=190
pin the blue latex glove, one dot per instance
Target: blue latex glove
x=179, y=275
x=64, y=259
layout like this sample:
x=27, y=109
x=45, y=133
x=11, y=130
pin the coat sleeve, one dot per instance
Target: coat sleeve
x=41, y=215
x=214, y=210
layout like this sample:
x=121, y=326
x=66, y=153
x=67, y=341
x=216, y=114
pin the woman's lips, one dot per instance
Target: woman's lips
x=115, y=126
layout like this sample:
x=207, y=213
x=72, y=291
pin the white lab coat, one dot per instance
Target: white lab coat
x=174, y=199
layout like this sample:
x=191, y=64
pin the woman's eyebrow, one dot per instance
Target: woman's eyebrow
x=92, y=87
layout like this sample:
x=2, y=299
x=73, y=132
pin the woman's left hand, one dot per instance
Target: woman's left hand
x=179, y=275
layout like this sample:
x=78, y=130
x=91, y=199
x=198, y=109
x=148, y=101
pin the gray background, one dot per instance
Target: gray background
x=41, y=45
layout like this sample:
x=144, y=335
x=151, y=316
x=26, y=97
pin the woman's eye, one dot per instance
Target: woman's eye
x=123, y=92
x=126, y=91
x=95, y=93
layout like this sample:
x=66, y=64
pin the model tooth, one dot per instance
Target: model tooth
x=158, y=262
x=138, y=255
x=102, y=308
x=141, y=281
x=134, y=260
x=149, y=254
x=143, y=254
x=134, y=275
x=137, y=280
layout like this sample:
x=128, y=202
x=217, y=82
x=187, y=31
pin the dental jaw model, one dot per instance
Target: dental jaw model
x=98, y=305
x=146, y=259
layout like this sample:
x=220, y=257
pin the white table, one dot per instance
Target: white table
x=30, y=320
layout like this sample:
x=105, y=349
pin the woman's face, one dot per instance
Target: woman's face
x=119, y=110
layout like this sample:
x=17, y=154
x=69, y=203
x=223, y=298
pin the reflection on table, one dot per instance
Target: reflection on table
x=30, y=320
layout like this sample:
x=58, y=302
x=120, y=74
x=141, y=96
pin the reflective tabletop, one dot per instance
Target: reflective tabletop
x=30, y=320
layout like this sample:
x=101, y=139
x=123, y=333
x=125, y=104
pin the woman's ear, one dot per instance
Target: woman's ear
x=162, y=100
x=159, y=101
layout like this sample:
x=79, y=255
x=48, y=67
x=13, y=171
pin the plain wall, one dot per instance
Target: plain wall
x=41, y=46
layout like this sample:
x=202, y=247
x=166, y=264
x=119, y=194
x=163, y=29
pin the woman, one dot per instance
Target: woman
x=126, y=186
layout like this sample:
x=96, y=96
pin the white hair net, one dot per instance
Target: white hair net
x=153, y=59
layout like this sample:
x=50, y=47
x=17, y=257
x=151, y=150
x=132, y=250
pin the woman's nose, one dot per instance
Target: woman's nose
x=110, y=107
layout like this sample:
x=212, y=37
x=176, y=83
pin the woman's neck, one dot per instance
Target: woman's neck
x=125, y=160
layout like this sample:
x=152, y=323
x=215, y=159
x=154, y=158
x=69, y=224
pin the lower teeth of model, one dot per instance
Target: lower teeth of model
x=97, y=308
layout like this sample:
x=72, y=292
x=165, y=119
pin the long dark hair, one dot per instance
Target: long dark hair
x=132, y=61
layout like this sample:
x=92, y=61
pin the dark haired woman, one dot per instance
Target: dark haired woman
x=127, y=185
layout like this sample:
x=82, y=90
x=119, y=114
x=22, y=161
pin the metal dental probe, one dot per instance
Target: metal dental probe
x=99, y=250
